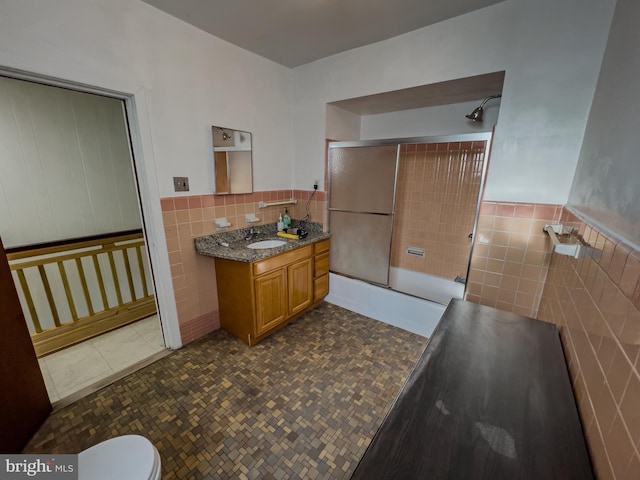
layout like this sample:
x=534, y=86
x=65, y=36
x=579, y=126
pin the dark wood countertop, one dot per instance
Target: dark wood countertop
x=489, y=398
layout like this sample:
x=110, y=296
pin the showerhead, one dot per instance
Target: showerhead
x=476, y=115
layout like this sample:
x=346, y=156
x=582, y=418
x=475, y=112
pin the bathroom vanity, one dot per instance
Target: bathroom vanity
x=260, y=291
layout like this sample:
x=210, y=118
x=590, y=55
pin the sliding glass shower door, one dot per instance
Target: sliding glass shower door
x=403, y=213
x=438, y=190
x=362, y=191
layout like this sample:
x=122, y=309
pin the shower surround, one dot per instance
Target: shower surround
x=436, y=202
x=423, y=236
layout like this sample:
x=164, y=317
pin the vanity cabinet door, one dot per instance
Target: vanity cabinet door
x=271, y=301
x=300, y=286
x=321, y=271
x=258, y=298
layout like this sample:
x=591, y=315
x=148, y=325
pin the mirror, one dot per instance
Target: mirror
x=232, y=161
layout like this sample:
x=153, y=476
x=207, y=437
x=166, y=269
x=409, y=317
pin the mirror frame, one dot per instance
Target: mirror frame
x=232, y=165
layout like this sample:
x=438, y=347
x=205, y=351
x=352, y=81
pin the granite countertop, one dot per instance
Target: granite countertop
x=211, y=245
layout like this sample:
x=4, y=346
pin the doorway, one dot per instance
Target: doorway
x=69, y=154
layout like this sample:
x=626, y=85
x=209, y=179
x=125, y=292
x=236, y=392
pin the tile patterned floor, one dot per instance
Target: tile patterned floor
x=74, y=368
x=304, y=403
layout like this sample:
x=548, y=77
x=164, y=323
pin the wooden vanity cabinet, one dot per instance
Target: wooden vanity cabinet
x=284, y=291
x=321, y=270
x=271, y=301
x=257, y=298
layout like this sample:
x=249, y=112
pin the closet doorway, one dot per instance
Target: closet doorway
x=74, y=232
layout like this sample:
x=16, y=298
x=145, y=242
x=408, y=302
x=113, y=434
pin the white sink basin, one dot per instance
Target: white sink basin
x=266, y=244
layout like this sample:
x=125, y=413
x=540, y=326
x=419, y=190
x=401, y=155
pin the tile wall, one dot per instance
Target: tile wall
x=595, y=300
x=436, y=201
x=511, y=256
x=193, y=275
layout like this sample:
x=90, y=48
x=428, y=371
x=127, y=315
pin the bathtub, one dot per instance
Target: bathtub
x=384, y=304
x=422, y=285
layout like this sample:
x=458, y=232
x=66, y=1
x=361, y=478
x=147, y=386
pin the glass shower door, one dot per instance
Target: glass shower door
x=361, y=202
x=437, y=199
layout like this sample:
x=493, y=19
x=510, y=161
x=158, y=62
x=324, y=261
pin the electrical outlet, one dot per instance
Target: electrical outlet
x=315, y=184
x=181, y=184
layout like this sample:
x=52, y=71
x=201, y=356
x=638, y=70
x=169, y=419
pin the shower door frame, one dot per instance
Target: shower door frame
x=393, y=206
x=460, y=137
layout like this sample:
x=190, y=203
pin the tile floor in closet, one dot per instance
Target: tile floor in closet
x=70, y=370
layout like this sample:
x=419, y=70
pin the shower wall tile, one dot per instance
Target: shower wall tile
x=436, y=201
x=593, y=302
x=511, y=255
x=193, y=276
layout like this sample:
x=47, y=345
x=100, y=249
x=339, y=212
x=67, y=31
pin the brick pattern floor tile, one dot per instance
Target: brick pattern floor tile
x=303, y=403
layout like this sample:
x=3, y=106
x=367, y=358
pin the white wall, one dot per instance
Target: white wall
x=607, y=182
x=430, y=121
x=190, y=80
x=551, y=51
x=182, y=81
x=342, y=124
x=65, y=165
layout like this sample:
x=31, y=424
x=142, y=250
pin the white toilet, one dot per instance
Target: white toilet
x=129, y=457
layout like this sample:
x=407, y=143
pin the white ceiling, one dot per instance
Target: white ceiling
x=295, y=32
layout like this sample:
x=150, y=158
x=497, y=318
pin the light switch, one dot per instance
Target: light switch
x=181, y=184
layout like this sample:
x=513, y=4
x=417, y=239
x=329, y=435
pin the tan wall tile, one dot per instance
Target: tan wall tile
x=181, y=203
x=173, y=244
x=171, y=232
x=509, y=282
x=618, y=262
x=492, y=279
x=166, y=204
x=195, y=214
x=599, y=458
x=438, y=196
x=591, y=300
x=620, y=447
x=174, y=258
x=633, y=468
x=182, y=216
x=618, y=374
x=629, y=407
x=497, y=252
x=169, y=218
x=512, y=269
x=183, y=230
x=630, y=275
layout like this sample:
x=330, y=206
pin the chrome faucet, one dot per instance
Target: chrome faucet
x=253, y=233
